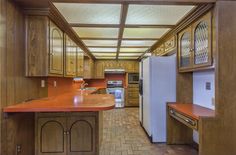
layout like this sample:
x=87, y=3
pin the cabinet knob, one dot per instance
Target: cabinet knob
x=52, y=54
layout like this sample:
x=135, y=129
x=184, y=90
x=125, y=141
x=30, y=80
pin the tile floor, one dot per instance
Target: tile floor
x=123, y=135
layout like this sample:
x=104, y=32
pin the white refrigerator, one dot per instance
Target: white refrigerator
x=157, y=86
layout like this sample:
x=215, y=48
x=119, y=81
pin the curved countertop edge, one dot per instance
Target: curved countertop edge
x=65, y=104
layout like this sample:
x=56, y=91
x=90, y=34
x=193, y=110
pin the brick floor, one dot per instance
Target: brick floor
x=122, y=135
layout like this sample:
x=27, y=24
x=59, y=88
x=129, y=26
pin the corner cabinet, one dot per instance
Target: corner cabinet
x=44, y=47
x=67, y=133
x=194, y=51
x=70, y=57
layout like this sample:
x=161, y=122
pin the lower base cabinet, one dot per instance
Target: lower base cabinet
x=68, y=133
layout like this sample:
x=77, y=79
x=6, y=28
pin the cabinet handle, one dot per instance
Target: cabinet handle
x=52, y=54
x=65, y=132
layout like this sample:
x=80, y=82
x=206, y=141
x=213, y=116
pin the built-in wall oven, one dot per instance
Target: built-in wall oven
x=133, y=78
x=116, y=88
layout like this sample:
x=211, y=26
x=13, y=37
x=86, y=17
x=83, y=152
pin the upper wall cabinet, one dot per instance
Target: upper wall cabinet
x=44, y=47
x=70, y=57
x=80, y=63
x=56, y=50
x=195, y=43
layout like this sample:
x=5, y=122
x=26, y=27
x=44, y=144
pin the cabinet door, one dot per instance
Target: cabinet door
x=99, y=70
x=184, y=52
x=70, y=57
x=56, y=50
x=80, y=63
x=81, y=137
x=51, y=136
x=202, y=42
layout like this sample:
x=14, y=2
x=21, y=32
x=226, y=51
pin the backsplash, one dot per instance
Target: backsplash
x=203, y=92
x=62, y=85
x=103, y=82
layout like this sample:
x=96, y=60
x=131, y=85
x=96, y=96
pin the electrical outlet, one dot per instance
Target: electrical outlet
x=208, y=86
x=42, y=83
x=18, y=149
x=213, y=101
x=55, y=83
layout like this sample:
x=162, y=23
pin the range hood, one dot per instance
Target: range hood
x=114, y=71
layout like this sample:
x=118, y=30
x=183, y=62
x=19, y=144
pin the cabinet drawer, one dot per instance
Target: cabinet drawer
x=133, y=89
x=190, y=122
x=133, y=86
x=133, y=95
x=132, y=102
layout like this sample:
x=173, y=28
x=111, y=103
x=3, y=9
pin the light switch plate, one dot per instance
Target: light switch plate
x=42, y=83
x=55, y=83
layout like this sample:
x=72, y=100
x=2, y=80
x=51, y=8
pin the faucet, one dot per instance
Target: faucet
x=83, y=84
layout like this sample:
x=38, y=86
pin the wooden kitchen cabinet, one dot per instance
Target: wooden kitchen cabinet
x=79, y=63
x=132, y=95
x=99, y=70
x=44, y=47
x=70, y=57
x=56, y=50
x=195, y=42
x=88, y=68
x=67, y=134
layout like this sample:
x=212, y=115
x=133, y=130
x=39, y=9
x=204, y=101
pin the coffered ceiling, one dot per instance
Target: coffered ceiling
x=121, y=31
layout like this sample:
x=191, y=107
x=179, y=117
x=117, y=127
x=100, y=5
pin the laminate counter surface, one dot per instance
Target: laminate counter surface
x=192, y=110
x=81, y=100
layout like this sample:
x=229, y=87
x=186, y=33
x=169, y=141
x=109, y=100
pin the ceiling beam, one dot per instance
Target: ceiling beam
x=135, y=39
x=160, y=2
x=116, y=46
x=186, y=21
x=124, y=11
x=118, y=25
x=45, y=3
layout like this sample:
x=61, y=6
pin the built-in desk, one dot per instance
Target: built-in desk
x=182, y=119
x=189, y=114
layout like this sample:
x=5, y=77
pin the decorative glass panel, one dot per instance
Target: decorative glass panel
x=100, y=42
x=90, y=13
x=144, y=32
x=185, y=47
x=135, y=50
x=137, y=42
x=201, y=43
x=156, y=14
x=96, y=32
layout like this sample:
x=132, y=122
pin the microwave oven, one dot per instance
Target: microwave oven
x=133, y=78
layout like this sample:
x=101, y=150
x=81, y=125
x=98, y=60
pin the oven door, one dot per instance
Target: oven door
x=117, y=92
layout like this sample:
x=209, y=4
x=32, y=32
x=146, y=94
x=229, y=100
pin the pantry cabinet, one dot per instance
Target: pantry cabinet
x=44, y=47
x=67, y=134
x=195, y=43
x=70, y=57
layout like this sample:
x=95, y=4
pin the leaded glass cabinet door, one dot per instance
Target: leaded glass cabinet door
x=184, y=54
x=202, y=42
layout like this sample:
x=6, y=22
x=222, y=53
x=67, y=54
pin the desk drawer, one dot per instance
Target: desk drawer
x=190, y=122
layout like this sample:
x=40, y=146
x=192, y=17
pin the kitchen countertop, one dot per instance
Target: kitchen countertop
x=192, y=110
x=81, y=100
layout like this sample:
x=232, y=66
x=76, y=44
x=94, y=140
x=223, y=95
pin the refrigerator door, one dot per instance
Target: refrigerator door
x=141, y=92
x=146, y=96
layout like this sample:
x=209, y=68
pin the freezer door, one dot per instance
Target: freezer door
x=146, y=96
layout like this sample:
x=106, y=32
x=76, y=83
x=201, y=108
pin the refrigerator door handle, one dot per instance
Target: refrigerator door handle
x=141, y=87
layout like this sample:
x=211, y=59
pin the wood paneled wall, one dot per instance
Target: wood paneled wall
x=219, y=136
x=15, y=87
